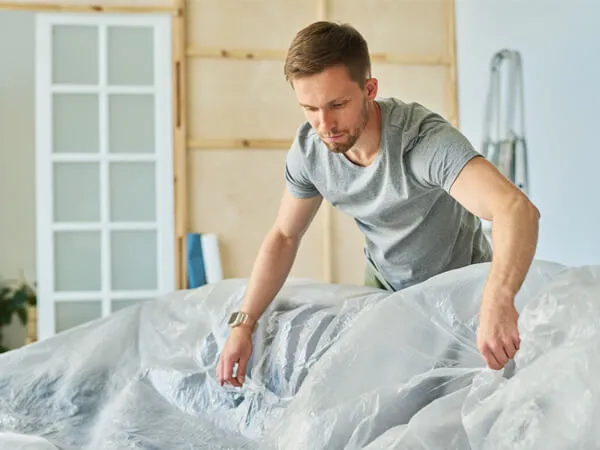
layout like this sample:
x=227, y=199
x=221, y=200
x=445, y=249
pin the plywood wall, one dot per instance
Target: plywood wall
x=236, y=115
x=242, y=115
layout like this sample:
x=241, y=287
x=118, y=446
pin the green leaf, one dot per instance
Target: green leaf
x=22, y=315
x=4, y=293
x=20, y=299
x=5, y=317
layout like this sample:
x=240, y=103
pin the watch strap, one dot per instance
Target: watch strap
x=240, y=318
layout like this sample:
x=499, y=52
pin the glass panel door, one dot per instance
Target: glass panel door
x=105, y=225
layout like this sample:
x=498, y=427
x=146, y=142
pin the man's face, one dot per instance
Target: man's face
x=335, y=106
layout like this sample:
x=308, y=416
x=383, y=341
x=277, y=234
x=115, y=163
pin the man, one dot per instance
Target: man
x=413, y=183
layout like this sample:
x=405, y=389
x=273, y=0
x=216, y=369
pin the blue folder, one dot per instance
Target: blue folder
x=196, y=275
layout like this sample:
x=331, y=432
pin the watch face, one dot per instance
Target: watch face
x=233, y=318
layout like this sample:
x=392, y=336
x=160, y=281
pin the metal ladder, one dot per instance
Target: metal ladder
x=504, y=143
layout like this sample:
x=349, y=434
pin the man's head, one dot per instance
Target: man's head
x=329, y=67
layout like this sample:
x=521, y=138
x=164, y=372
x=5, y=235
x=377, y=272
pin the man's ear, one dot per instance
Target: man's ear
x=371, y=86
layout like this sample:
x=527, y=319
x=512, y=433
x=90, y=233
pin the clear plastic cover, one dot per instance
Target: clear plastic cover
x=333, y=367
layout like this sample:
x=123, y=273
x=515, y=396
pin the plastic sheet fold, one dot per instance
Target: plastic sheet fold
x=333, y=367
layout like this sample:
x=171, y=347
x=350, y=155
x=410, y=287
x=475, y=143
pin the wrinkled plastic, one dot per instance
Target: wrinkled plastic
x=333, y=367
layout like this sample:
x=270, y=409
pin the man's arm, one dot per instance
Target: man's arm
x=278, y=252
x=272, y=266
x=484, y=191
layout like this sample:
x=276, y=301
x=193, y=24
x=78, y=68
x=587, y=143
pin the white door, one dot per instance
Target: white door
x=105, y=220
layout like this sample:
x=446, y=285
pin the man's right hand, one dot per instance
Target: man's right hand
x=237, y=349
x=272, y=266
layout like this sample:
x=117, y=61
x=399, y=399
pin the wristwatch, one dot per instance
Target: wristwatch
x=239, y=318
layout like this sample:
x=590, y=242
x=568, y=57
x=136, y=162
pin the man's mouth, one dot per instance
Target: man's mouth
x=334, y=138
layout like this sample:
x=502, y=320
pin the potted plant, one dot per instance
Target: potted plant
x=17, y=298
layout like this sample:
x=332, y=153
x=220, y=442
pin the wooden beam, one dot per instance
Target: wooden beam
x=452, y=76
x=235, y=53
x=98, y=8
x=236, y=144
x=327, y=227
x=322, y=9
x=179, y=142
x=410, y=60
x=197, y=51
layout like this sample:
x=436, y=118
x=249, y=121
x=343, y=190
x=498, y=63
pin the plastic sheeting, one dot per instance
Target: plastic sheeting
x=333, y=367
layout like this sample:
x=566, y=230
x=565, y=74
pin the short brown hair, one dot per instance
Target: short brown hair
x=325, y=44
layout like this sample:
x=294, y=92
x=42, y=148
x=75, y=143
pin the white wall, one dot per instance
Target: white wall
x=17, y=153
x=560, y=43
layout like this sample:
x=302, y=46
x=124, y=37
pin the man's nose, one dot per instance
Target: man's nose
x=326, y=121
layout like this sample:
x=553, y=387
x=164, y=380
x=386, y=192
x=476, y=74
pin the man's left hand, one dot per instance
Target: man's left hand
x=498, y=335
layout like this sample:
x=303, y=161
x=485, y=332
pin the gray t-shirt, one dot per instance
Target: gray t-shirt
x=413, y=228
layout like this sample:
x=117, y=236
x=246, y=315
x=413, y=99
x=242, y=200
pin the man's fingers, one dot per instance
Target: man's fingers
x=241, y=370
x=508, y=347
x=229, y=375
x=511, y=348
x=516, y=341
x=234, y=382
x=228, y=369
x=503, y=352
x=220, y=370
x=499, y=353
x=490, y=358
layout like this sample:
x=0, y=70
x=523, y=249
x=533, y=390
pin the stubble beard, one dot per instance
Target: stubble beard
x=353, y=135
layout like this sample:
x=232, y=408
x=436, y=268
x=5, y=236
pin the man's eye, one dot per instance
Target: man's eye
x=338, y=105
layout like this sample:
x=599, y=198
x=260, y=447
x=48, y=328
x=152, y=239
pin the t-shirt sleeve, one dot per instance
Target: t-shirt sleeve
x=296, y=175
x=439, y=154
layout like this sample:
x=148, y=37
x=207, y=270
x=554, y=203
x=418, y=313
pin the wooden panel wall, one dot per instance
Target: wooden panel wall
x=235, y=116
x=242, y=114
x=233, y=191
